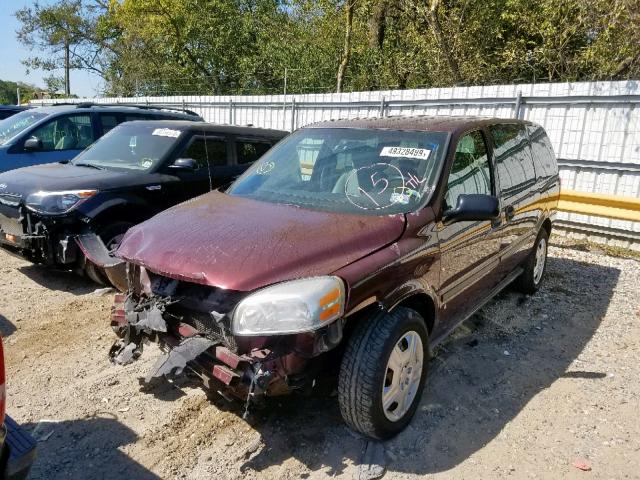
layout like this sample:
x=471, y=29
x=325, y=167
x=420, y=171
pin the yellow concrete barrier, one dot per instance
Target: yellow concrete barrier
x=609, y=206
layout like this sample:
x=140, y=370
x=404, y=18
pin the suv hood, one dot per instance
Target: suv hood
x=58, y=177
x=241, y=244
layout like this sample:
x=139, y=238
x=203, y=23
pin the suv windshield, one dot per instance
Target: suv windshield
x=131, y=146
x=12, y=126
x=347, y=170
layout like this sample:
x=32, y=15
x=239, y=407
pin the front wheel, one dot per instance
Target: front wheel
x=383, y=372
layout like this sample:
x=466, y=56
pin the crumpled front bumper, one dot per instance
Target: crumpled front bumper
x=38, y=239
x=242, y=367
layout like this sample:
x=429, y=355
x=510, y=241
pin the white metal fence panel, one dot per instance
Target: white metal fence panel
x=594, y=127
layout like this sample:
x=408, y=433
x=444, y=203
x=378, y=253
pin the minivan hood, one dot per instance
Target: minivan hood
x=58, y=177
x=241, y=244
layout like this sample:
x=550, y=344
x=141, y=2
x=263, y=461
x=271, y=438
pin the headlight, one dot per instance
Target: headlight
x=290, y=307
x=56, y=203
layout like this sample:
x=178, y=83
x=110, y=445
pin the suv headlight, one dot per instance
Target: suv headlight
x=57, y=203
x=290, y=307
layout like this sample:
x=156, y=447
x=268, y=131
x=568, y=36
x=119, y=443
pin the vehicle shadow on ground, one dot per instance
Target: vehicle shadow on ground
x=6, y=327
x=493, y=365
x=85, y=449
x=59, y=279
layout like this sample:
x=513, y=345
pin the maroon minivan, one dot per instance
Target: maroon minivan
x=351, y=247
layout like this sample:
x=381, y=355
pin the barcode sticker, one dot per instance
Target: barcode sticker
x=419, y=153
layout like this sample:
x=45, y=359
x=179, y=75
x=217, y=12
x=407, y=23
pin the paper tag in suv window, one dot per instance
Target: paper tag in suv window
x=166, y=132
x=405, y=152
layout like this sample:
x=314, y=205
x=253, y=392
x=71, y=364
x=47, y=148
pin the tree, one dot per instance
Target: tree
x=349, y=6
x=66, y=31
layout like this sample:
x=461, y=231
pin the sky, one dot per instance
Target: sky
x=12, y=52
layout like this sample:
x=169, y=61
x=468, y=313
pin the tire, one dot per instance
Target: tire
x=111, y=235
x=366, y=373
x=531, y=278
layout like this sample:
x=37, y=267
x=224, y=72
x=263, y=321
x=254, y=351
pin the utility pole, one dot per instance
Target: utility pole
x=18, y=95
x=67, y=87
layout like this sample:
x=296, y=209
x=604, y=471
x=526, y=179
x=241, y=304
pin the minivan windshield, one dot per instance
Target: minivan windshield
x=130, y=146
x=12, y=126
x=348, y=170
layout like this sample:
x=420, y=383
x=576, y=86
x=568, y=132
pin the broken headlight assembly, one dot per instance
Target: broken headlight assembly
x=57, y=203
x=295, y=306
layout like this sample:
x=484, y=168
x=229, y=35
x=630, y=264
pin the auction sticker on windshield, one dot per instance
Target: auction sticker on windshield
x=404, y=152
x=167, y=132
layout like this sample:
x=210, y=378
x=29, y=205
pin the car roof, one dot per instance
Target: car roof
x=186, y=125
x=84, y=107
x=442, y=123
x=15, y=107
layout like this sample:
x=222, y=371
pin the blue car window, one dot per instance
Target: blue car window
x=73, y=132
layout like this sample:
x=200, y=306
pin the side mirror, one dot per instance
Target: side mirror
x=186, y=164
x=473, y=207
x=33, y=144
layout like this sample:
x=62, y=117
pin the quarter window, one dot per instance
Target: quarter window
x=66, y=133
x=249, y=151
x=214, y=149
x=470, y=172
x=514, y=163
x=542, y=151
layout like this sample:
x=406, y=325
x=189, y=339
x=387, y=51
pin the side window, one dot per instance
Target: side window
x=470, y=172
x=514, y=163
x=108, y=121
x=73, y=132
x=543, y=153
x=215, y=148
x=250, y=150
x=131, y=117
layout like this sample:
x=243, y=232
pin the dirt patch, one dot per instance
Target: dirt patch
x=527, y=388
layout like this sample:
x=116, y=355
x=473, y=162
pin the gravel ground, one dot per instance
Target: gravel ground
x=525, y=389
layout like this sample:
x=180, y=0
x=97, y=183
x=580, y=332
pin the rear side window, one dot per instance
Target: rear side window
x=514, y=163
x=543, y=154
x=214, y=148
x=69, y=132
x=250, y=150
x=470, y=172
x=108, y=121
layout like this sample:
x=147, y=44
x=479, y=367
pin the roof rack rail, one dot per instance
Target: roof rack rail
x=133, y=105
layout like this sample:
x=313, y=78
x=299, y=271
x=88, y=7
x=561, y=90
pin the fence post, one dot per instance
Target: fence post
x=293, y=114
x=230, y=112
x=383, y=107
x=518, y=104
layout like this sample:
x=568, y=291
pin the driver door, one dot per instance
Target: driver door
x=469, y=249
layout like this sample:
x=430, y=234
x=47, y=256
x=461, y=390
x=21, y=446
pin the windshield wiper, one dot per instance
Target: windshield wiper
x=90, y=165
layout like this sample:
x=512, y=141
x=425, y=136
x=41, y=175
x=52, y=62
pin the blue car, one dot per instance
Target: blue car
x=58, y=133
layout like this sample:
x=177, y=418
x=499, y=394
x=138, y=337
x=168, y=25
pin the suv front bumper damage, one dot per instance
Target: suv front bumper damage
x=244, y=368
x=39, y=239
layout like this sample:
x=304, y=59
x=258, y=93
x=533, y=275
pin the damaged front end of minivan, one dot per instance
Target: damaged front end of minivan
x=243, y=345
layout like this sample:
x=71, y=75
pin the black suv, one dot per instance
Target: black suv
x=135, y=171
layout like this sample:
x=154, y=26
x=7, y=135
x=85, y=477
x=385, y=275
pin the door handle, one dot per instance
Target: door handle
x=509, y=212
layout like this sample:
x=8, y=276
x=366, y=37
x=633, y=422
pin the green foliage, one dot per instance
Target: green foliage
x=8, y=92
x=245, y=46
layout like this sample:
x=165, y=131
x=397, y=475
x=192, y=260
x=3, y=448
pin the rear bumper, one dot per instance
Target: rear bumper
x=18, y=453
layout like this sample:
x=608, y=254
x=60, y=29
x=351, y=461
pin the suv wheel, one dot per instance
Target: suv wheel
x=111, y=235
x=534, y=267
x=383, y=373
